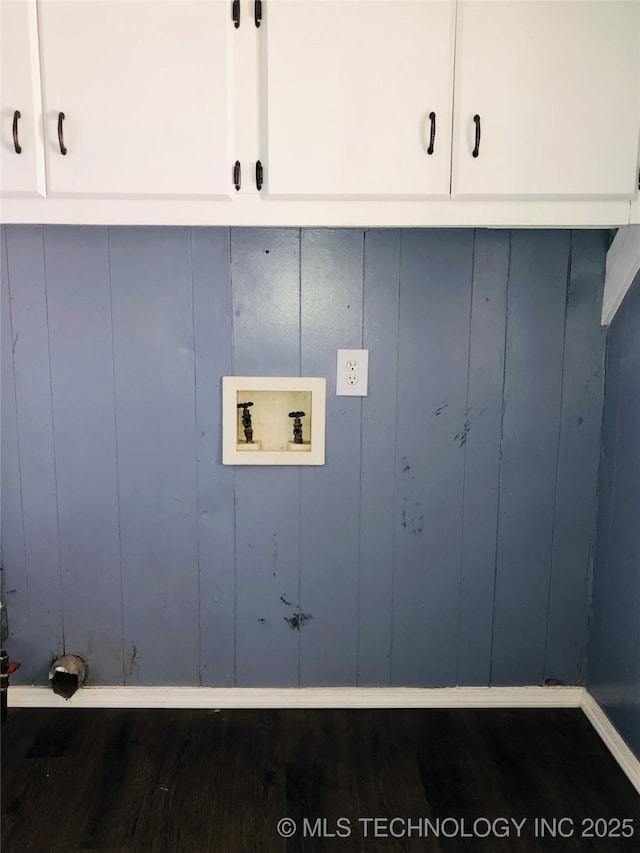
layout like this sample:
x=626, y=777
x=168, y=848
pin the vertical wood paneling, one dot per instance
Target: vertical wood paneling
x=213, y=330
x=532, y=399
x=331, y=311
x=576, y=488
x=79, y=303
x=482, y=455
x=266, y=309
x=375, y=588
x=433, y=353
x=27, y=291
x=388, y=553
x=15, y=582
x=156, y=433
x=623, y=569
x=613, y=645
x=633, y=677
x=602, y=599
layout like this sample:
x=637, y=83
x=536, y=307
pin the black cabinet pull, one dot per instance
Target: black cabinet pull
x=476, y=150
x=257, y=11
x=432, y=135
x=235, y=13
x=259, y=175
x=237, y=175
x=63, y=149
x=17, y=114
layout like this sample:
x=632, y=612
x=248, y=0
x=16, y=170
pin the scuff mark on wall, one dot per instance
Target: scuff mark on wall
x=413, y=522
x=132, y=660
x=462, y=436
x=298, y=620
x=275, y=555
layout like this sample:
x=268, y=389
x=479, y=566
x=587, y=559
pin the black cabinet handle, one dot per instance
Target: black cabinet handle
x=257, y=11
x=237, y=175
x=63, y=149
x=432, y=136
x=17, y=114
x=476, y=150
x=259, y=175
x=235, y=13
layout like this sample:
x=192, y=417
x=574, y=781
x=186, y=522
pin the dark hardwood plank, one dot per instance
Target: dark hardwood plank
x=185, y=780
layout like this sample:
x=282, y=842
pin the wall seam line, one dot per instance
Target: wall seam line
x=299, y=638
x=395, y=467
x=504, y=382
x=117, y=454
x=558, y=448
x=464, y=458
x=235, y=491
x=197, y=455
x=359, y=560
x=53, y=441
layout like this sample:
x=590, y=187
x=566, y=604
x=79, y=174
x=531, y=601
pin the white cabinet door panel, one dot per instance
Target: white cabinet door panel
x=557, y=88
x=145, y=91
x=21, y=174
x=348, y=89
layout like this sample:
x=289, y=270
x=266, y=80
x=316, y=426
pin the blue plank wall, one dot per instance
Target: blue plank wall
x=447, y=540
x=614, y=644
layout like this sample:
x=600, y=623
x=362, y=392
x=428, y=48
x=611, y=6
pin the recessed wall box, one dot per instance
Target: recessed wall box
x=273, y=420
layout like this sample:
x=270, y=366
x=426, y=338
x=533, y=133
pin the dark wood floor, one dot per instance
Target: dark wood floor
x=198, y=781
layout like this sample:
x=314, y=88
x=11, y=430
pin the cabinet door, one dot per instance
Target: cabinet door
x=349, y=87
x=556, y=88
x=144, y=89
x=21, y=174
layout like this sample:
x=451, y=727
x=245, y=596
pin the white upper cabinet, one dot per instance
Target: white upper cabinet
x=353, y=91
x=553, y=89
x=138, y=95
x=21, y=151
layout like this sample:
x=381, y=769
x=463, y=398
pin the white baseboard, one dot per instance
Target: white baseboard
x=303, y=697
x=612, y=739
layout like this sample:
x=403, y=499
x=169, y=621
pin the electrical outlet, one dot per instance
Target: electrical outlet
x=352, y=373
